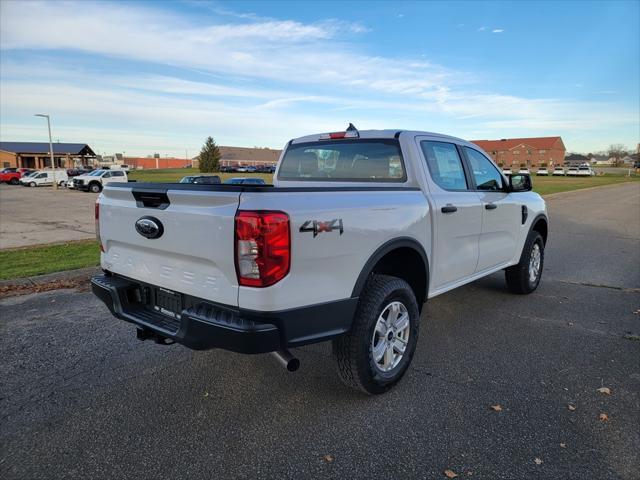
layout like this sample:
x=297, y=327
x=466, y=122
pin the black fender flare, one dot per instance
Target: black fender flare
x=540, y=216
x=389, y=246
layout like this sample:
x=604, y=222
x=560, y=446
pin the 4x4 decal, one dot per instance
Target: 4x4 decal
x=318, y=227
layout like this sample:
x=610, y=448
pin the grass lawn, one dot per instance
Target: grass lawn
x=547, y=185
x=29, y=261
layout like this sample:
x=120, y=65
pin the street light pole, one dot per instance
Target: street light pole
x=53, y=162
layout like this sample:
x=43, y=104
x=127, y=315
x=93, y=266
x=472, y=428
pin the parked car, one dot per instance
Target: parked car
x=96, y=180
x=585, y=172
x=240, y=169
x=542, y=172
x=245, y=181
x=572, y=171
x=13, y=175
x=558, y=171
x=266, y=168
x=507, y=171
x=349, y=258
x=524, y=171
x=201, y=179
x=44, y=178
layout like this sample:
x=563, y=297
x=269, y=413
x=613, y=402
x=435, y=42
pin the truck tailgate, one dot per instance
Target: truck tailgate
x=193, y=255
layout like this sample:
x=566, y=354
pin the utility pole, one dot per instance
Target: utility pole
x=53, y=162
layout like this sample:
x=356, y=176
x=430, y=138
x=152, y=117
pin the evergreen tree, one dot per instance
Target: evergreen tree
x=209, y=156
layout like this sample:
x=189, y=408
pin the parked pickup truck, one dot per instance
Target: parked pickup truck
x=13, y=175
x=358, y=231
x=98, y=179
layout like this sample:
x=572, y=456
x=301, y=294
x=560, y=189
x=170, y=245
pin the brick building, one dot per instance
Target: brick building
x=513, y=152
x=36, y=155
x=229, y=156
x=248, y=156
x=148, y=163
x=244, y=156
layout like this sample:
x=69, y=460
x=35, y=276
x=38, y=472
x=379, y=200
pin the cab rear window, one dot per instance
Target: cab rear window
x=377, y=160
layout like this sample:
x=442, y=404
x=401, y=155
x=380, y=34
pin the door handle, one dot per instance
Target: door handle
x=490, y=206
x=449, y=209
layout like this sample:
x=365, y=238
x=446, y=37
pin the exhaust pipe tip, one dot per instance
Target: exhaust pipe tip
x=293, y=365
x=287, y=360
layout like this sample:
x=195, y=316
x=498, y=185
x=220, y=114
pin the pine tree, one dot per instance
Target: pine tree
x=209, y=156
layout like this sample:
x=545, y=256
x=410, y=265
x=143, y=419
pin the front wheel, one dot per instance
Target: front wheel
x=32, y=184
x=13, y=181
x=378, y=349
x=525, y=277
x=95, y=187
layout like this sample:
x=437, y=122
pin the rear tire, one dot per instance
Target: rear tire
x=524, y=277
x=374, y=355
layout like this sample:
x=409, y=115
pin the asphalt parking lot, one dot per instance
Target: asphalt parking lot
x=82, y=398
x=29, y=215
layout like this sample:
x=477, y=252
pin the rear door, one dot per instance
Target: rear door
x=194, y=254
x=501, y=213
x=457, y=214
x=117, y=176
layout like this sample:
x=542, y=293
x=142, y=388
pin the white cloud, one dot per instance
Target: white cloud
x=275, y=50
x=482, y=29
x=497, y=30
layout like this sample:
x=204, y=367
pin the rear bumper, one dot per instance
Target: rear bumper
x=204, y=325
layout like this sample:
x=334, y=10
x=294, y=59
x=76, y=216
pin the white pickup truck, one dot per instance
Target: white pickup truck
x=96, y=180
x=357, y=232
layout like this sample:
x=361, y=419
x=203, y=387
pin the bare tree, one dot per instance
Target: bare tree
x=617, y=151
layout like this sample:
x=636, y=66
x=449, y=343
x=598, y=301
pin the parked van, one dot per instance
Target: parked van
x=45, y=177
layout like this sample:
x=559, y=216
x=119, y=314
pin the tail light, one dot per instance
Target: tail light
x=263, y=247
x=97, y=216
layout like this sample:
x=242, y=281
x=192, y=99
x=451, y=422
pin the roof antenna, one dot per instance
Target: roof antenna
x=351, y=128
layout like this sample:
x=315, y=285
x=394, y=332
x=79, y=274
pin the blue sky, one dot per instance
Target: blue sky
x=145, y=77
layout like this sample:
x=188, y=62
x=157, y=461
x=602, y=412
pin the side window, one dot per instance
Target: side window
x=117, y=174
x=444, y=165
x=107, y=175
x=42, y=175
x=485, y=174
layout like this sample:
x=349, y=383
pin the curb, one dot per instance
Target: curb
x=51, y=277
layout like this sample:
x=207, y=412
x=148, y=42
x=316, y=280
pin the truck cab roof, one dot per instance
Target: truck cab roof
x=388, y=133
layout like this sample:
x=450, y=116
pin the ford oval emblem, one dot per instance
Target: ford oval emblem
x=149, y=227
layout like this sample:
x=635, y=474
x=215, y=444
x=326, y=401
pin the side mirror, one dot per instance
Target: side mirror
x=520, y=182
